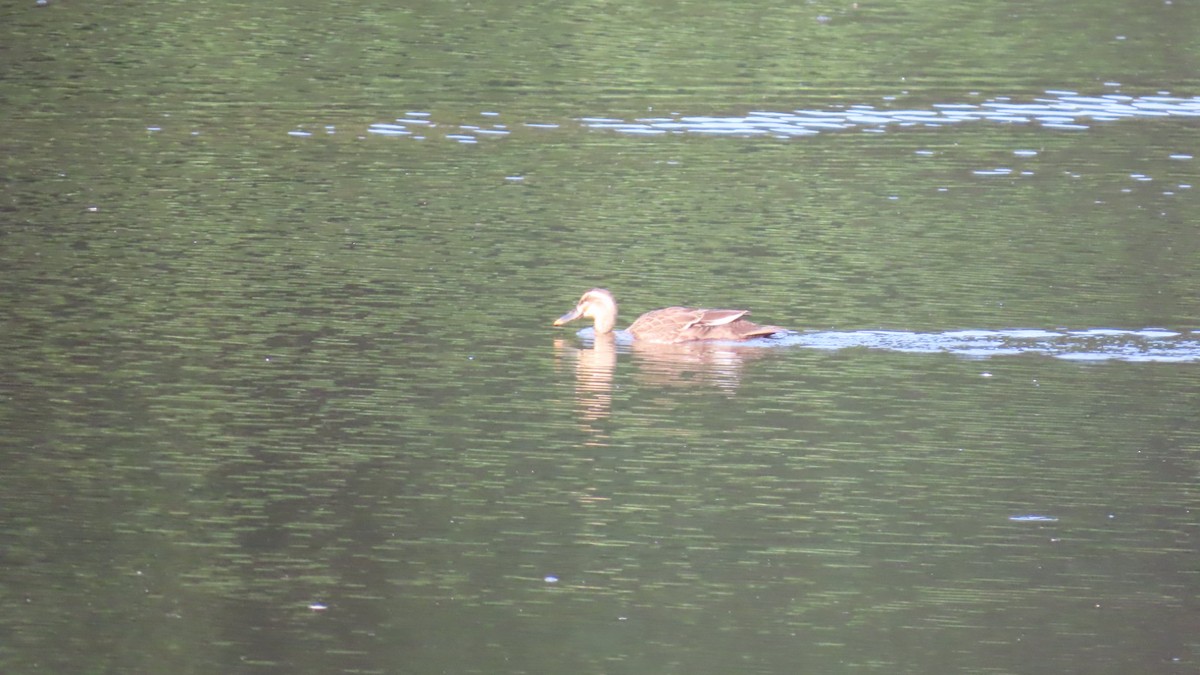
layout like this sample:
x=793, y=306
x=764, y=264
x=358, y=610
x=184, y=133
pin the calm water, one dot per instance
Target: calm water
x=281, y=392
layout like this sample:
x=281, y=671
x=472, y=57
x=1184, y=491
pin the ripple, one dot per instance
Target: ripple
x=388, y=130
x=1058, y=110
x=1068, y=112
x=1093, y=344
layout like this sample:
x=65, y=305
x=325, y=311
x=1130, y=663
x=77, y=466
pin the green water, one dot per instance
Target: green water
x=277, y=402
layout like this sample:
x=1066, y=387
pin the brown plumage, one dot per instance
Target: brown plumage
x=668, y=325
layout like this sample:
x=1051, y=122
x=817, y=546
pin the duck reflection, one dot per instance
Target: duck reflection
x=691, y=364
x=694, y=363
x=594, y=368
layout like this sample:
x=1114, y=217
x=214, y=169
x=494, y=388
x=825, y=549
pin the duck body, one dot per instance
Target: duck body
x=669, y=325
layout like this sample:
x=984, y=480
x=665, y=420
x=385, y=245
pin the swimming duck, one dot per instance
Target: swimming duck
x=668, y=325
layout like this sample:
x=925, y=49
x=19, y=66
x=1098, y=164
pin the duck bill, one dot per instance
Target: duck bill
x=569, y=316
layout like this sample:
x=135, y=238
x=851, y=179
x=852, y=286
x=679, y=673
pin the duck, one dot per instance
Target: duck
x=669, y=325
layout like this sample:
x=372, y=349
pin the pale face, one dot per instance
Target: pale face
x=598, y=305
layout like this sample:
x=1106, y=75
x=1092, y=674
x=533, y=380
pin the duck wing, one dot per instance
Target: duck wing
x=711, y=318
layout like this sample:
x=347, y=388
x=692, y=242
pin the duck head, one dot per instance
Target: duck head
x=597, y=305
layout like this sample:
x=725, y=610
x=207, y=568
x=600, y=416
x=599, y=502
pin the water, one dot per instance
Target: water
x=281, y=392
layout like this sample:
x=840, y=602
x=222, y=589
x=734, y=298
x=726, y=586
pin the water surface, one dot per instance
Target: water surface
x=281, y=393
